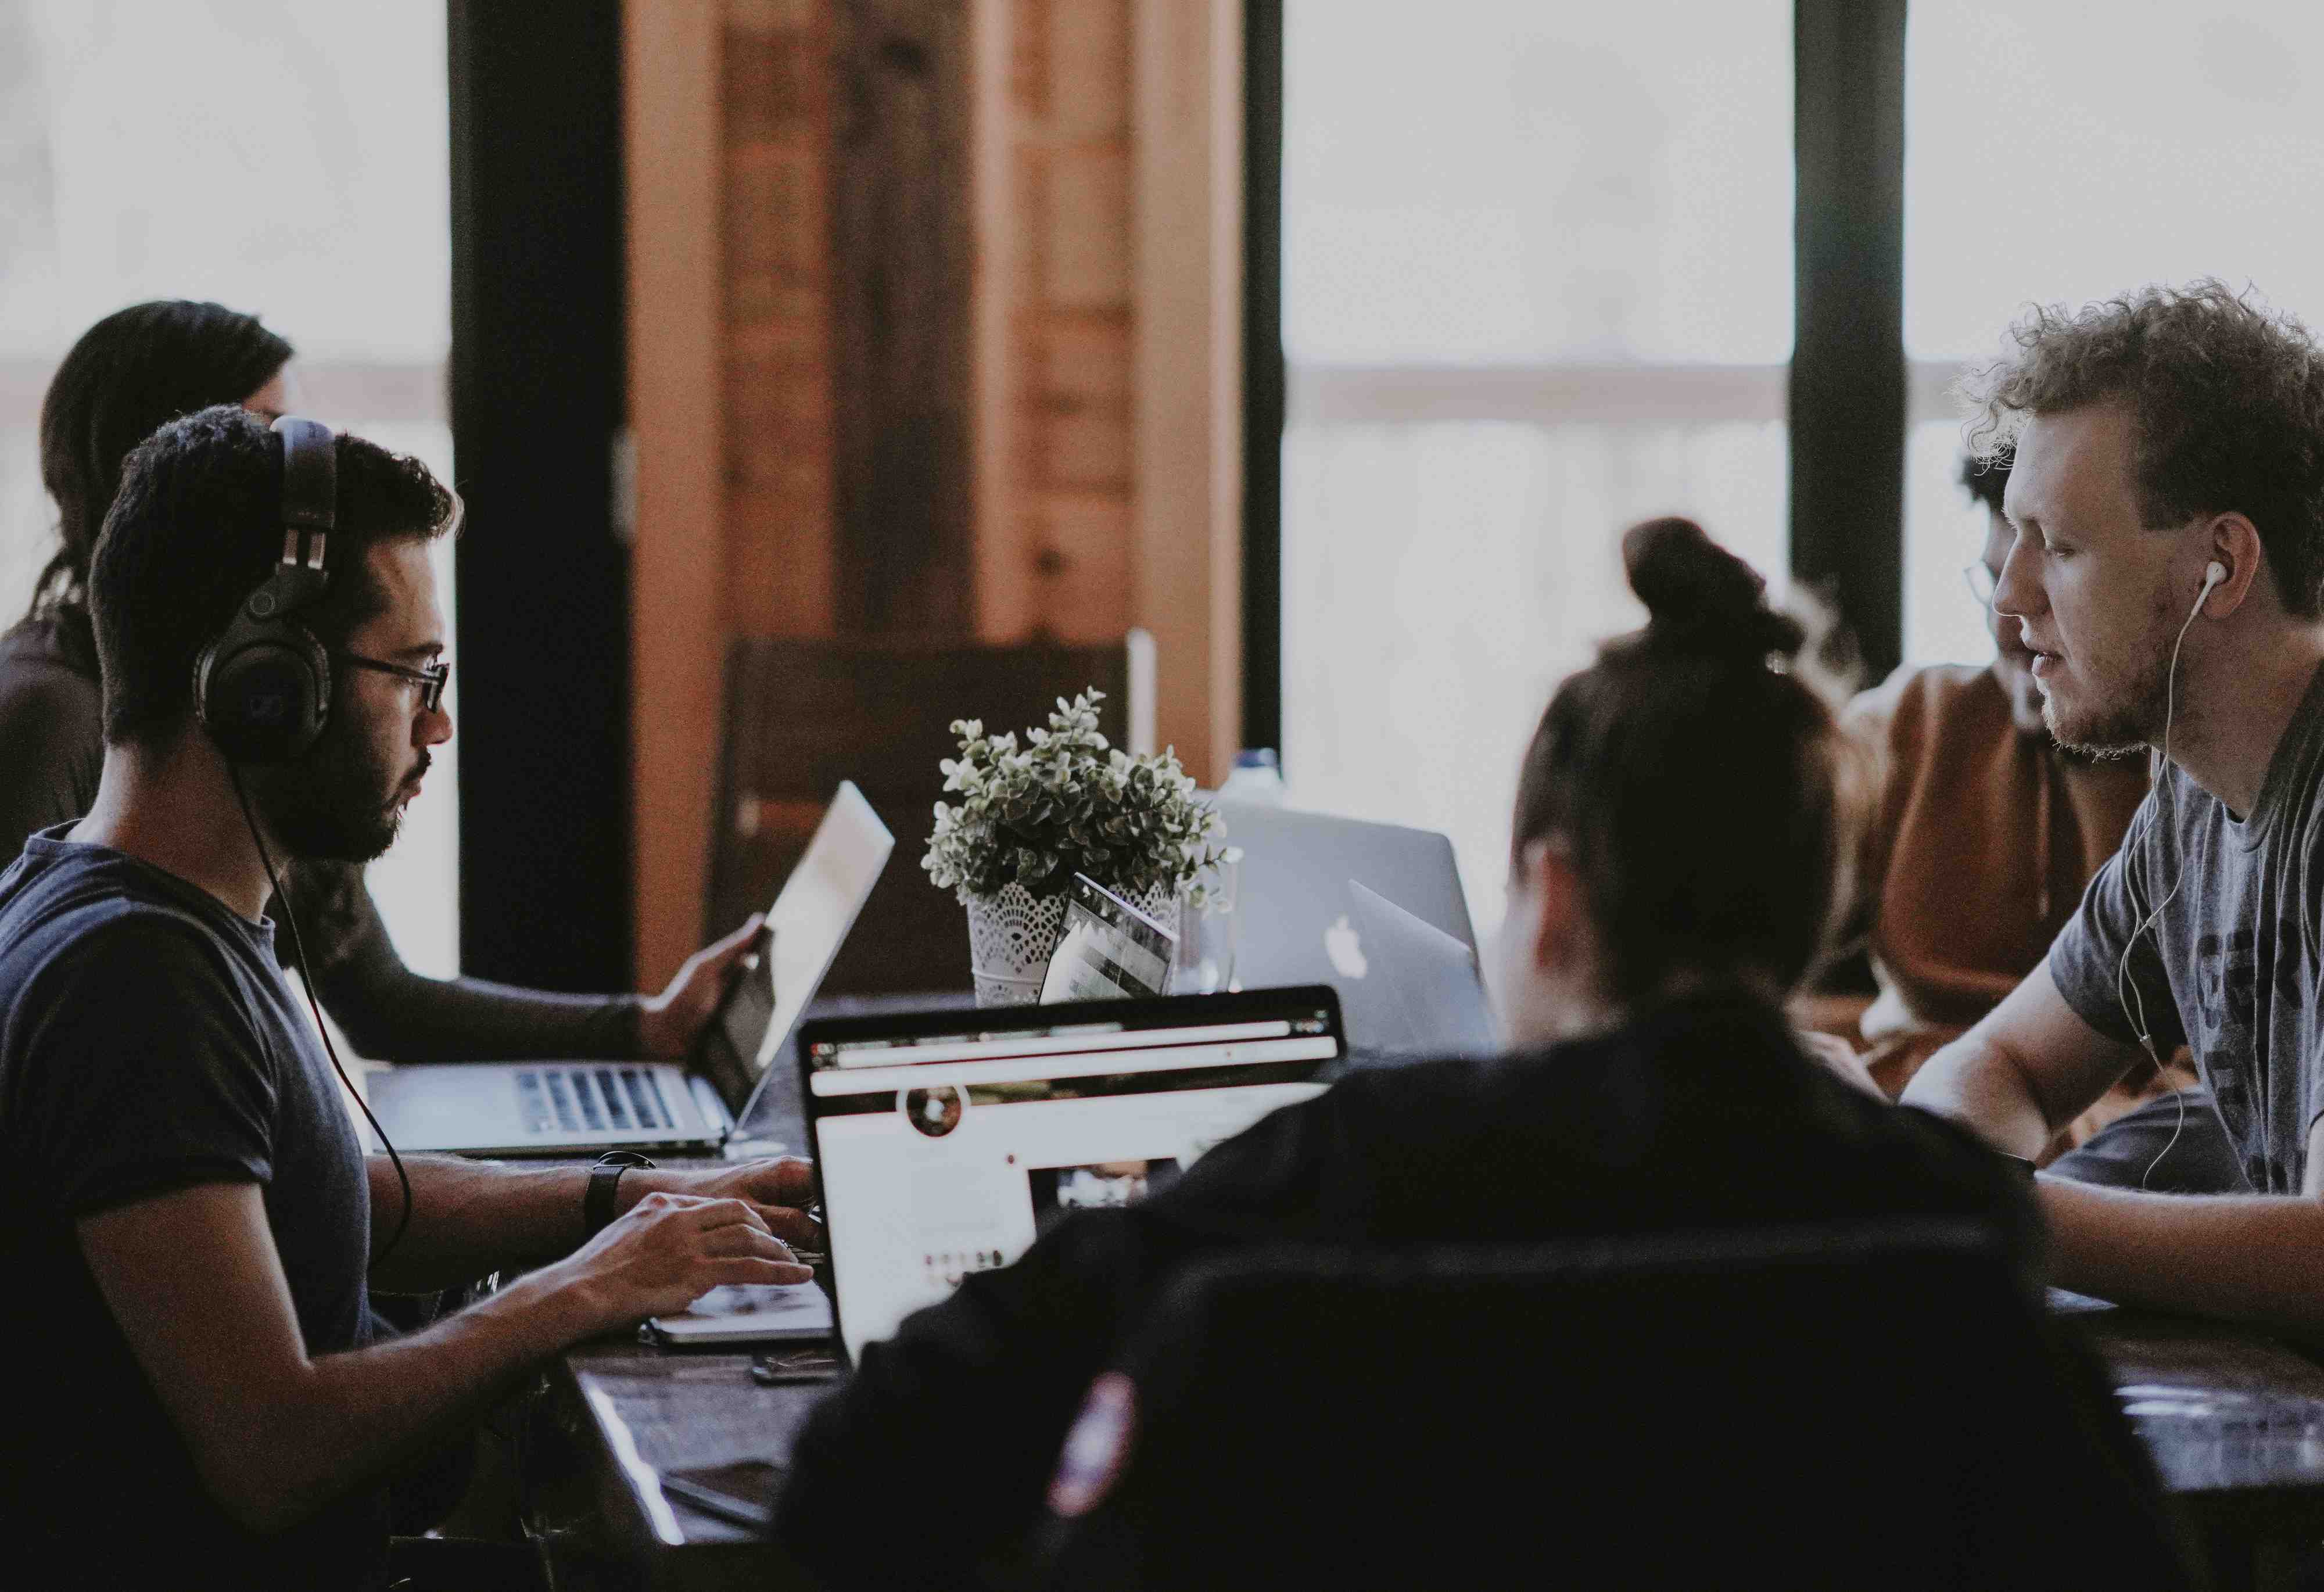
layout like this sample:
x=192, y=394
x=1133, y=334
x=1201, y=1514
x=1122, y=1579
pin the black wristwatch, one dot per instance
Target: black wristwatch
x=598, y=1201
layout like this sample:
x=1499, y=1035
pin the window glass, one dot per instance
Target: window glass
x=284, y=159
x=1538, y=285
x=2050, y=160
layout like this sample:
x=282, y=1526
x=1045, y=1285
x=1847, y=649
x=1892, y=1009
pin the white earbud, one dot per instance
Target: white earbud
x=2213, y=574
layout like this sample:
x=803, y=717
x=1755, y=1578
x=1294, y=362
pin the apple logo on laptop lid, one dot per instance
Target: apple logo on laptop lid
x=1345, y=948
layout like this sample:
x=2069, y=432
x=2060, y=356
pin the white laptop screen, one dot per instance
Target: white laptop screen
x=944, y=1153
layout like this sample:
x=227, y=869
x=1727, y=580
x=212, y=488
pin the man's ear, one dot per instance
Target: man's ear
x=2234, y=542
x=1560, y=925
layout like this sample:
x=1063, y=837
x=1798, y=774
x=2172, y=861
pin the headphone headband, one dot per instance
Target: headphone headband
x=310, y=496
x=262, y=688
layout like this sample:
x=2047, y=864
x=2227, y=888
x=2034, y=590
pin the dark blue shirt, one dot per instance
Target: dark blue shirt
x=148, y=1042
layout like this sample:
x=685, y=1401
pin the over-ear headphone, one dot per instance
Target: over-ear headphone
x=262, y=688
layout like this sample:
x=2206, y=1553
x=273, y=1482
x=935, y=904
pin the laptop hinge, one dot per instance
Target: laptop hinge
x=714, y=1110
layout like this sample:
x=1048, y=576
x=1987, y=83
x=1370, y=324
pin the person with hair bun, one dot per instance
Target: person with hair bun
x=127, y=377
x=1674, y=853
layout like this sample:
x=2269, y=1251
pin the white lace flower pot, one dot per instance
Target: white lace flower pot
x=1013, y=935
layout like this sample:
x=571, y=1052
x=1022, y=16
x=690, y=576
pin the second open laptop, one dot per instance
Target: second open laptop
x=1422, y=996
x=563, y=1108
x=1303, y=923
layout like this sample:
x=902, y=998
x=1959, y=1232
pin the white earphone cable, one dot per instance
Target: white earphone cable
x=2126, y=988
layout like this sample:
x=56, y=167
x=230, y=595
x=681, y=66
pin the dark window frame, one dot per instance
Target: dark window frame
x=539, y=395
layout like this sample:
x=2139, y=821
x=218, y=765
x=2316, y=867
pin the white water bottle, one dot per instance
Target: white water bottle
x=1257, y=778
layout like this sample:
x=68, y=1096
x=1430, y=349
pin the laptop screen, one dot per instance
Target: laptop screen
x=808, y=922
x=948, y=1142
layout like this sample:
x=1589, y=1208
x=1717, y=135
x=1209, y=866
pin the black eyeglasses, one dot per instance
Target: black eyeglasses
x=430, y=680
x=1981, y=582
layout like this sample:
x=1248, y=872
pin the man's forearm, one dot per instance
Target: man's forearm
x=352, y=1416
x=473, y=1217
x=1977, y=1086
x=2247, y=1257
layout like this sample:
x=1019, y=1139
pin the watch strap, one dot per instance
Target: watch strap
x=604, y=1178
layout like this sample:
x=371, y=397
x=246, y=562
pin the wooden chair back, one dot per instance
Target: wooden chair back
x=801, y=714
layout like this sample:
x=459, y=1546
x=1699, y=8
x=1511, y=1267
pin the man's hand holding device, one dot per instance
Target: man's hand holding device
x=668, y=1022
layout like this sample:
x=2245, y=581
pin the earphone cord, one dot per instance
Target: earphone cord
x=306, y=982
x=2122, y=979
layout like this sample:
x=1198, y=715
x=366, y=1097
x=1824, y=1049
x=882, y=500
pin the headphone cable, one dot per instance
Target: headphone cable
x=307, y=983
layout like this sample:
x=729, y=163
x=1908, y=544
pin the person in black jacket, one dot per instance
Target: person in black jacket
x=129, y=374
x=1674, y=855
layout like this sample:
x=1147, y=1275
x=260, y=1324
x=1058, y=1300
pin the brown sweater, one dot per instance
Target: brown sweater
x=1977, y=848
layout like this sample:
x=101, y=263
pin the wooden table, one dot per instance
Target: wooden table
x=2234, y=1420
x=646, y=1412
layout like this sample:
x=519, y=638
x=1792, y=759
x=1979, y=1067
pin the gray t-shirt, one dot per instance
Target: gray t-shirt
x=2230, y=968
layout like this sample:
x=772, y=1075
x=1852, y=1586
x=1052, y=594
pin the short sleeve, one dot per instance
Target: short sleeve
x=2086, y=959
x=139, y=1070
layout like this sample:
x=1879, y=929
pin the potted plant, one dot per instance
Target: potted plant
x=1031, y=817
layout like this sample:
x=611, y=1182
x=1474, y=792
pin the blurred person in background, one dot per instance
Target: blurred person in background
x=128, y=375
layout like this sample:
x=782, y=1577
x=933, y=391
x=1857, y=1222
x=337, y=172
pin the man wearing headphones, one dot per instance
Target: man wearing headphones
x=191, y=1236
x=2168, y=572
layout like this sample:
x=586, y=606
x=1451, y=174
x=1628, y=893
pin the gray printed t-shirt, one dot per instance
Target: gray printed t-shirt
x=2231, y=967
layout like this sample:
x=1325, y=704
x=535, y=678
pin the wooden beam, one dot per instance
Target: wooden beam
x=673, y=142
x=1004, y=607
x=1186, y=131
x=900, y=326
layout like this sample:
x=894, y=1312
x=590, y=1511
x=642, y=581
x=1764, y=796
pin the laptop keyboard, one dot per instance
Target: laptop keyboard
x=591, y=1099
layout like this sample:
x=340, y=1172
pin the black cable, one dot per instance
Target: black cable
x=307, y=981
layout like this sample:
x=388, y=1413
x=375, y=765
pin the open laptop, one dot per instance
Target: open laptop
x=1422, y=994
x=946, y=1142
x=1300, y=925
x=565, y=1108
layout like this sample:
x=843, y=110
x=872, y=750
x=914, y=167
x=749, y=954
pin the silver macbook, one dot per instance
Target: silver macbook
x=1299, y=924
x=1421, y=994
x=562, y=1107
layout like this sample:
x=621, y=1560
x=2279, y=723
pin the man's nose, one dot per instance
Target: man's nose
x=433, y=727
x=2017, y=594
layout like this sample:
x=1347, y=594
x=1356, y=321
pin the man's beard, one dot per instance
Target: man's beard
x=336, y=804
x=2131, y=723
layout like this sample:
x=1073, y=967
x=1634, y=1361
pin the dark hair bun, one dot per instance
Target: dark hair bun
x=1699, y=597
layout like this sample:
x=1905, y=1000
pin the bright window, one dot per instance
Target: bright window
x=2054, y=158
x=1538, y=285
x=284, y=159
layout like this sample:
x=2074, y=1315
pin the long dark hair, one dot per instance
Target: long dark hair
x=129, y=375
x=1695, y=777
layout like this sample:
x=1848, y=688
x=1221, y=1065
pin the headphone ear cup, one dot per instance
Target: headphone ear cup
x=263, y=691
